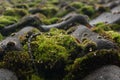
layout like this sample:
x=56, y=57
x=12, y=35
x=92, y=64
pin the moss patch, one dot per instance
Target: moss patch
x=52, y=51
x=85, y=65
x=14, y=12
x=7, y=20
x=19, y=62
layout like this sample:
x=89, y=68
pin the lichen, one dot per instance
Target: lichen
x=85, y=65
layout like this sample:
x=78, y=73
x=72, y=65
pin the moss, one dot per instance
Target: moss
x=87, y=10
x=101, y=27
x=114, y=36
x=50, y=21
x=115, y=27
x=52, y=51
x=22, y=6
x=19, y=62
x=15, y=12
x=7, y=20
x=85, y=65
x=35, y=77
x=89, y=46
x=49, y=11
x=1, y=37
x=77, y=5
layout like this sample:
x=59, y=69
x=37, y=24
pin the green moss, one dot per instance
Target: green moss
x=19, y=62
x=115, y=27
x=35, y=77
x=87, y=10
x=1, y=37
x=52, y=51
x=15, y=12
x=49, y=11
x=114, y=36
x=7, y=20
x=21, y=6
x=101, y=27
x=50, y=21
x=85, y=65
x=77, y=5
x=89, y=46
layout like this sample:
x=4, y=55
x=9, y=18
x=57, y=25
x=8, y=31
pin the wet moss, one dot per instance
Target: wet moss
x=19, y=62
x=85, y=65
x=52, y=51
x=7, y=20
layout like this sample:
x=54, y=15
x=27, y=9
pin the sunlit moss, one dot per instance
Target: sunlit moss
x=52, y=51
x=15, y=12
x=7, y=20
x=85, y=65
x=19, y=62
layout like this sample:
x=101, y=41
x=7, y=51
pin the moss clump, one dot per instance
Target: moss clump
x=77, y=5
x=87, y=10
x=85, y=65
x=7, y=20
x=89, y=46
x=114, y=36
x=52, y=51
x=35, y=77
x=1, y=37
x=19, y=62
x=15, y=12
x=101, y=27
x=21, y=6
x=50, y=21
x=50, y=11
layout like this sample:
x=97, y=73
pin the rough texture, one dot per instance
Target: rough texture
x=109, y=72
x=6, y=74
